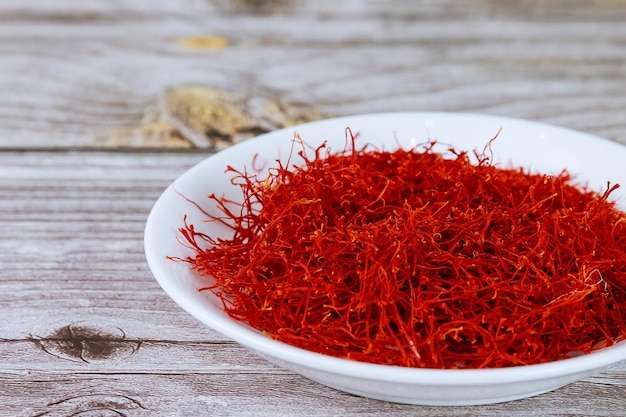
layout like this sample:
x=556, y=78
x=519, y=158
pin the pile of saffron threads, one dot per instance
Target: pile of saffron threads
x=419, y=259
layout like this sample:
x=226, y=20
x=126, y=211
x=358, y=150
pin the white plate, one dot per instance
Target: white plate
x=535, y=146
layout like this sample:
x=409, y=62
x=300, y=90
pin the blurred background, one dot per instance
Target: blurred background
x=207, y=73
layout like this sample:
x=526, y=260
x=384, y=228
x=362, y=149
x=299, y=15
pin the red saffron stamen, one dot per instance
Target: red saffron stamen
x=419, y=259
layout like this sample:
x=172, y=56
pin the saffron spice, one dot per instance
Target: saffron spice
x=419, y=258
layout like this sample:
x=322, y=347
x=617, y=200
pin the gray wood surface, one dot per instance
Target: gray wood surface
x=104, y=103
x=95, y=73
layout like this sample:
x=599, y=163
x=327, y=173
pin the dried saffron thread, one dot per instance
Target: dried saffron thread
x=420, y=259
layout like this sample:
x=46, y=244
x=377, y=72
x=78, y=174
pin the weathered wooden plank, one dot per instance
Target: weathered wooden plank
x=256, y=394
x=84, y=349
x=72, y=243
x=94, y=75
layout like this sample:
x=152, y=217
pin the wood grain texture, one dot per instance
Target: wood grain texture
x=90, y=73
x=86, y=329
x=88, y=88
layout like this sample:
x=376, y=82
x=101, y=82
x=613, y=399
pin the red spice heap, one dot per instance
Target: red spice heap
x=419, y=259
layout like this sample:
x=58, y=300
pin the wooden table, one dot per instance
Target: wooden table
x=103, y=104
